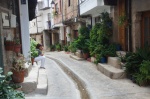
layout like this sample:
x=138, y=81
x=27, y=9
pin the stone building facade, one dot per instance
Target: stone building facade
x=14, y=18
x=136, y=33
x=6, y=33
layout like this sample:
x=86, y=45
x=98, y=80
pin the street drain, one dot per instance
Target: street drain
x=83, y=92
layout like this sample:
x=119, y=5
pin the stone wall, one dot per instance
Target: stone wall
x=6, y=33
x=114, y=14
x=4, y=3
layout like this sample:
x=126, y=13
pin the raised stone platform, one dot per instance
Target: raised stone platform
x=110, y=71
x=28, y=68
x=31, y=81
x=42, y=86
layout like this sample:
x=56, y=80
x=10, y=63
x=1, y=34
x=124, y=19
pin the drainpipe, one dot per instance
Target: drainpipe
x=130, y=26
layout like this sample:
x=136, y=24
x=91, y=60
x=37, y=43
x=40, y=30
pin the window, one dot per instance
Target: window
x=49, y=16
x=68, y=3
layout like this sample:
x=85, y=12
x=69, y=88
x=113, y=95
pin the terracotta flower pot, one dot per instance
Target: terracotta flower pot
x=18, y=77
x=85, y=55
x=17, y=48
x=32, y=61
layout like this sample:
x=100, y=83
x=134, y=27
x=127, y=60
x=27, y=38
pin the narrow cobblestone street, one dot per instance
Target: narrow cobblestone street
x=60, y=86
x=97, y=85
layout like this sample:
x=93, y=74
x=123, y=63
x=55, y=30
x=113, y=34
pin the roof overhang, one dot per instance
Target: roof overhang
x=32, y=7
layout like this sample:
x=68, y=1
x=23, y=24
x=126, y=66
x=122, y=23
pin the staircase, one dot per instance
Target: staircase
x=112, y=68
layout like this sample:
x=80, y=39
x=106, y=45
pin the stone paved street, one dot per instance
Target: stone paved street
x=59, y=84
x=97, y=85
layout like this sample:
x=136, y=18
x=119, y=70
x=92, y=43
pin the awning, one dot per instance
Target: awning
x=32, y=7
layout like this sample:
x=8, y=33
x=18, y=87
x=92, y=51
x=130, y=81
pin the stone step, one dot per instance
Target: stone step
x=79, y=54
x=111, y=72
x=42, y=86
x=28, y=68
x=30, y=82
x=76, y=57
x=114, y=61
x=121, y=53
x=93, y=59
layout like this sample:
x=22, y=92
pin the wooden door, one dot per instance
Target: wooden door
x=122, y=36
x=145, y=33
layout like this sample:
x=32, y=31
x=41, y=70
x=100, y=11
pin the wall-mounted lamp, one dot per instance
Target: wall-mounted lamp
x=52, y=4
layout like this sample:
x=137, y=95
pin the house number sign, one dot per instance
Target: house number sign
x=23, y=1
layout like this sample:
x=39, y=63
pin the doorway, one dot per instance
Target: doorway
x=145, y=29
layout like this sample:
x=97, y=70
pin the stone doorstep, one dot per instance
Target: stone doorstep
x=76, y=57
x=93, y=59
x=30, y=82
x=79, y=54
x=42, y=86
x=114, y=61
x=110, y=71
x=121, y=53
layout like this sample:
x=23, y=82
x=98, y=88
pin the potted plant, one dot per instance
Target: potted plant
x=85, y=49
x=52, y=47
x=66, y=48
x=143, y=76
x=34, y=52
x=58, y=47
x=73, y=47
x=122, y=21
x=6, y=89
x=69, y=34
x=18, y=69
x=55, y=13
x=9, y=45
x=17, y=45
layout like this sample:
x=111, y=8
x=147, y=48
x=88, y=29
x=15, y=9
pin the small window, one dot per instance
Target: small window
x=97, y=19
x=68, y=3
x=49, y=16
